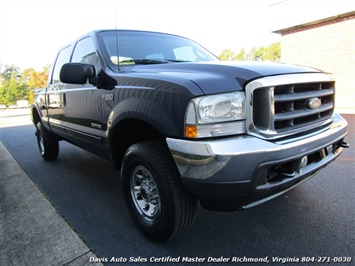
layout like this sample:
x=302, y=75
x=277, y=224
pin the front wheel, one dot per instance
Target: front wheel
x=47, y=143
x=156, y=199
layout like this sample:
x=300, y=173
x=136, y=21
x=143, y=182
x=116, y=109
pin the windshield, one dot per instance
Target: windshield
x=137, y=47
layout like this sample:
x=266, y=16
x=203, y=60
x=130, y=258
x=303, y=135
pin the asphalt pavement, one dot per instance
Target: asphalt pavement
x=31, y=230
x=34, y=232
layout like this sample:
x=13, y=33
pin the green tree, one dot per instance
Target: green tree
x=260, y=53
x=226, y=55
x=240, y=55
x=9, y=84
x=270, y=53
x=12, y=92
x=273, y=52
x=2, y=94
x=15, y=85
x=8, y=71
x=251, y=56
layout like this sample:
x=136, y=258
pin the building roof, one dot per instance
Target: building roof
x=312, y=24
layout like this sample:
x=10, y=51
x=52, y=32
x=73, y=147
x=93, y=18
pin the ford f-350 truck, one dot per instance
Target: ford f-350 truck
x=183, y=127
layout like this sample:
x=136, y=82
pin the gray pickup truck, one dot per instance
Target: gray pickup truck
x=183, y=127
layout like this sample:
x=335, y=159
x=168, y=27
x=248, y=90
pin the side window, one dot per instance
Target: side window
x=85, y=52
x=62, y=58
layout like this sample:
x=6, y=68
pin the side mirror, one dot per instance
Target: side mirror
x=76, y=73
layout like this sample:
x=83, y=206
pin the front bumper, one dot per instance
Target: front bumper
x=243, y=171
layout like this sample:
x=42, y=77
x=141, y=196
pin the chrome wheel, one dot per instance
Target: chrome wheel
x=145, y=194
x=156, y=200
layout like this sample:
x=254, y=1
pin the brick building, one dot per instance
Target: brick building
x=329, y=45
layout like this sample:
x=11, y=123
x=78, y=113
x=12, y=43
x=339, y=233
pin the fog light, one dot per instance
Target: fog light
x=304, y=161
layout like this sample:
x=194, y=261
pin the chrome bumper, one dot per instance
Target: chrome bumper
x=223, y=166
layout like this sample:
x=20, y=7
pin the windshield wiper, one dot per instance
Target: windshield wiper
x=143, y=61
x=150, y=61
x=177, y=60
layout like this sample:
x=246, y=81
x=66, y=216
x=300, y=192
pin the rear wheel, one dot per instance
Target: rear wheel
x=156, y=199
x=47, y=143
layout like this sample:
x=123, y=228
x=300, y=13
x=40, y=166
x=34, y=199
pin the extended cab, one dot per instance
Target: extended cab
x=183, y=126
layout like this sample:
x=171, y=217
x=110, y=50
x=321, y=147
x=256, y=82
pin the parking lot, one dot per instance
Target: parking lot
x=314, y=221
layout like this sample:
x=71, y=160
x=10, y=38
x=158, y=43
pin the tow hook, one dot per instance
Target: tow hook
x=343, y=144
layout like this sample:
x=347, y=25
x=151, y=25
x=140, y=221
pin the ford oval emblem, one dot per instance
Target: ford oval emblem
x=313, y=103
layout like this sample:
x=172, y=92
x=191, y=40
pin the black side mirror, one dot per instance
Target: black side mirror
x=76, y=73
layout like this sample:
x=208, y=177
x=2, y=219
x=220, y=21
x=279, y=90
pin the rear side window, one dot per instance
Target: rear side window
x=62, y=58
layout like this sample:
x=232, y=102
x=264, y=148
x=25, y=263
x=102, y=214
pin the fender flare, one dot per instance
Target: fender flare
x=146, y=111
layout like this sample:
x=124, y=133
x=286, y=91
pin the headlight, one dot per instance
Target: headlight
x=215, y=115
x=220, y=108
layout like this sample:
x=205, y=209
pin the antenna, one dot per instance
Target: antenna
x=117, y=50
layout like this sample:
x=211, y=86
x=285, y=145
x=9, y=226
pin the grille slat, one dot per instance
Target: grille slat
x=302, y=113
x=303, y=95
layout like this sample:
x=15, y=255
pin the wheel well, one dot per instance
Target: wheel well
x=128, y=132
x=35, y=116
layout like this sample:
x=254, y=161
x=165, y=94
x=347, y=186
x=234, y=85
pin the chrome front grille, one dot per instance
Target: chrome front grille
x=290, y=104
x=293, y=104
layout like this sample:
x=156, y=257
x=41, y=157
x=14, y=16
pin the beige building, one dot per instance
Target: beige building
x=329, y=45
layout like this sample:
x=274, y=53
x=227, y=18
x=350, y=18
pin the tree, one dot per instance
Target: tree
x=251, y=56
x=227, y=54
x=260, y=53
x=240, y=55
x=273, y=52
x=15, y=85
x=37, y=80
x=9, y=78
x=270, y=53
x=8, y=71
x=12, y=89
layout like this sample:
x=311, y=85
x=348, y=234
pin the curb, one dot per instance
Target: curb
x=32, y=232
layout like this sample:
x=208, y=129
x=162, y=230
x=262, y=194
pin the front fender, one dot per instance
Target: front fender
x=150, y=112
x=160, y=104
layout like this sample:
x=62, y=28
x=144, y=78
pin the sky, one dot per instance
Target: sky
x=32, y=31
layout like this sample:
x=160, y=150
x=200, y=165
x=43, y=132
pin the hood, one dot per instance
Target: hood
x=221, y=76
